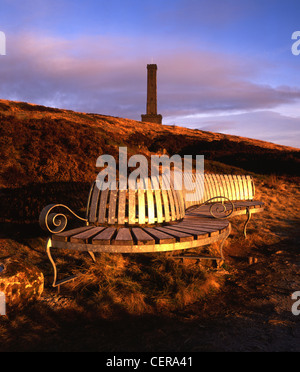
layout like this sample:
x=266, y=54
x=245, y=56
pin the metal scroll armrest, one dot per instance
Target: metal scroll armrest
x=55, y=222
x=218, y=209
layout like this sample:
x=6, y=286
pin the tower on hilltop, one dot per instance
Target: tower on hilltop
x=151, y=115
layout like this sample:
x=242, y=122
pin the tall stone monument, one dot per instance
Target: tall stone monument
x=152, y=115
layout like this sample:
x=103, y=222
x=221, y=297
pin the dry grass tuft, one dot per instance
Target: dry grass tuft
x=49, y=156
x=141, y=284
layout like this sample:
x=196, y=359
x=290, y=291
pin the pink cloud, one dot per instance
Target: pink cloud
x=106, y=75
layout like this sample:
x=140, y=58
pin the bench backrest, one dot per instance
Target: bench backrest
x=233, y=187
x=144, y=205
x=159, y=202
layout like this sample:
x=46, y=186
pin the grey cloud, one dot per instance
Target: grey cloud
x=105, y=75
x=264, y=125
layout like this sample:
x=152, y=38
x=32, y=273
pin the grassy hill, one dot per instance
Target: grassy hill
x=146, y=302
x=50, y=155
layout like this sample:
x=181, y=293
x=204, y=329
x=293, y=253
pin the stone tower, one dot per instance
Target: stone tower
x=152, y=115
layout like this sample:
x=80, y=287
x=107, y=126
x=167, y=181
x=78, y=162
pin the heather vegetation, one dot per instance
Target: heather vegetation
x=145, y=302
x=45, y=152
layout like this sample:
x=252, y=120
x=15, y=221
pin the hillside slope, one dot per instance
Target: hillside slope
x=47, y=152
x=147, y=302
x=40, y=144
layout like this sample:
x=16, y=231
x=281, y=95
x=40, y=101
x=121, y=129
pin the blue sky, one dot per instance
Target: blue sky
x=223, y=65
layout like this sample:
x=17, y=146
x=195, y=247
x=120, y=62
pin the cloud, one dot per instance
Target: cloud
x=268, y=126
x=107, y=75
x=89, y=74
x=211, y=82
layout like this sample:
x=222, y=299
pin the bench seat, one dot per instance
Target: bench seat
x=155, y=219
x=188, y=233
x=240, y=208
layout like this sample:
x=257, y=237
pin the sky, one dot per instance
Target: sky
x=223, y=65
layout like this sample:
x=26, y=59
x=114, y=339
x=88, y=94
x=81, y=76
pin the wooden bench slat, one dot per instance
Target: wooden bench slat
x=172, y=204
x=103, y=206
x=227, y=186
x=141, y=207
x=189, y=187
x=88, y=204
x=198, y=234
x=209, y=186
x=180, y=236
x=223, y=186
x=181, y=203
x=121, y=207
x=197, y=180
x=201, y=183
x=176, y=201
x=151, y=209
x=86, y=235
x=213, y=188
x=104, y=237
x=164, y=184
x=94, y=204
x=131, y=207
x=112, y=207
x=232, y=188
x=240, y=186
x=245, y=187
x=158, y=203
x=64, y=236
x=214, y=223
x=123, y=237
x=250, y=187
x=159, y=236
x=206, y=229
x=236, y=186
x=141, y=237
x=218, y=191
x=183, y=257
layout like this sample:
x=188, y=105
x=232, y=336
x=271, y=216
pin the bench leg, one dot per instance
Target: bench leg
x=48, y=247
x=222, y=243
x=92, y=255
x=55, y=282
x=219, y=260
x=246, y=223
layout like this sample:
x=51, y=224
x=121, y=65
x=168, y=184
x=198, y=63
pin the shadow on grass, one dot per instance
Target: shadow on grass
x=24, y=204
x=73, y=329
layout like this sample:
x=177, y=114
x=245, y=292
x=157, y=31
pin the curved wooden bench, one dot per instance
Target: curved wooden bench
x=222, y=196
x=154, y=217
x=140, y=220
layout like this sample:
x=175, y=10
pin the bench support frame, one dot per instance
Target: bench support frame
x=248, y=212
x=57, y=283
x=219, y=260
x=133, y=249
